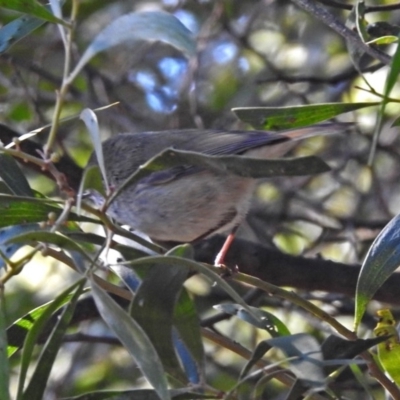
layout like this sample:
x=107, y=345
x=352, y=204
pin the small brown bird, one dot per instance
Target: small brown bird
x=187, y=203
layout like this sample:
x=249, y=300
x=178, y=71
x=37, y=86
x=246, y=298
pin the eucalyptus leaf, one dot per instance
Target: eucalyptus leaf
x=194, y=266
x=391, y=80
x=136, y=27
x=34, y=332
x=161, y=299
x=17, y=210
x=134, y=338
x=381, y=261
x=6, y=234
x=13, y=177
x=129, y=252
x=278, y=118
x=307, y=364
x=187, y=323
x=17, y=332
x=394, y=72
x=17, y=29
x=4, y=366
x=32, y=8
x=90, y=120
x=50, y=238
x=305, y=358
x=40, y=376
x=153, y=308
x=273, y=325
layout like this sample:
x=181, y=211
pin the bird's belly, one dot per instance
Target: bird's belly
x=186, y=209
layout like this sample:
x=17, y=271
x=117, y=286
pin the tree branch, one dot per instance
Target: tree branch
x=330, y=20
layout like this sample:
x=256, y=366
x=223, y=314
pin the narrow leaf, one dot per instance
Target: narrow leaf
x=50, y=238
x=83, y=237
x=133, y=338
x=13, y=177
x=141, y=26
x=90, y=120
x=17, y=332
x=273, y=325
x=6, y=234
x=391, y=80
x=153, y=307
x=15, y=210
x=277, y=118
x=381, y=261
x=187, y=323
x=17, y=29
x=34, y=332
x=32, y=8
x=394, y=72
x=257, y=354
x=37, y=384
x=195, y=266
x=4, y=367
x=308, y=363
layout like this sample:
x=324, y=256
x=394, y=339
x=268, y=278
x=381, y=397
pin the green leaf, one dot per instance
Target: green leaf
x=50, y=238
x=273, y=325
x=381, y=261
x=391, y=80
x=90, y=120
x=307, y=362
x=185, y=319
x=277, y=118
x=384, y=40
x=32, y=8
x=13, y=177
x=133, y=337
x=4, y=367
x=153, y=308
x=17, y=332
x=37, y=384
x=135, y=27
x=16, y=30
x=394, y=72
x=305, y=358
x=187, y=322
x=198, y=267
x=8, y=233
x=34, y=332
x=128, y=252
x=16, y=210
x=257, y=354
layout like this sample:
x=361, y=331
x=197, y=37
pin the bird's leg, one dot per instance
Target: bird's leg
x=220, y=258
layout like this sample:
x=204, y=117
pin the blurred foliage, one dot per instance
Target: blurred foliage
x=189, y=68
